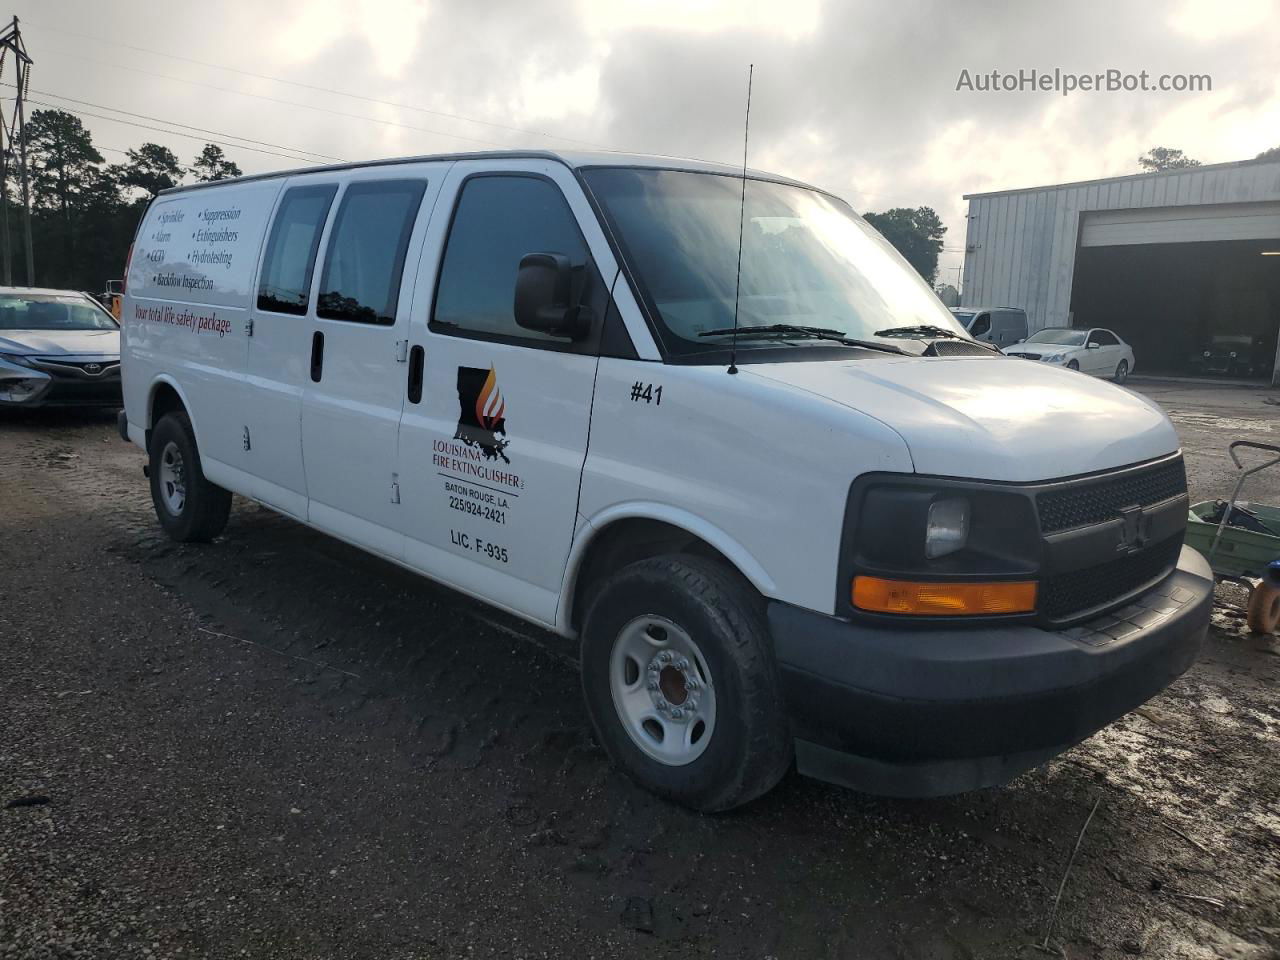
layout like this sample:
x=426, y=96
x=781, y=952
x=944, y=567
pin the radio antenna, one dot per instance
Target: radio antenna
x=742, y=210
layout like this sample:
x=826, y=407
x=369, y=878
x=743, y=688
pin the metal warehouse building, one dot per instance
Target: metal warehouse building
x=1168, y=260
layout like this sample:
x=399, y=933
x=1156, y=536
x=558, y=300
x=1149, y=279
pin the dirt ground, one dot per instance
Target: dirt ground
x=276, y=746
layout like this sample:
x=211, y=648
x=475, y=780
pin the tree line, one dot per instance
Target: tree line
x=83, y=209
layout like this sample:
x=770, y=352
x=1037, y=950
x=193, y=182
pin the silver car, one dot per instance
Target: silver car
x=57, y=348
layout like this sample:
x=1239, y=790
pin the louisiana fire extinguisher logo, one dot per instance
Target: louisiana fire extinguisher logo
x=482, y=412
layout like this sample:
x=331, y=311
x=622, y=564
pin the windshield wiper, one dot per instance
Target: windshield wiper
x=795, y=330
x=927, y=331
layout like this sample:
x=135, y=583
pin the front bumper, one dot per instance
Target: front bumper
x=58, y=391
x=925, y=711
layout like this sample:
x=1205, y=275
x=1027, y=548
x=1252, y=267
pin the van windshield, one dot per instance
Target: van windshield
x=807, y=260
x=966, y=319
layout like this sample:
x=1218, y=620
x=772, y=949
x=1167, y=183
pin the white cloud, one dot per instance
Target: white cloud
x=1212, y=20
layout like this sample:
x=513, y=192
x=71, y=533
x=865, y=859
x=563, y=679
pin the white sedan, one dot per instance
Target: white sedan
x=1095, y=350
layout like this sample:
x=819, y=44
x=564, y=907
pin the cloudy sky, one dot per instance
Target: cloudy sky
x=859, y=98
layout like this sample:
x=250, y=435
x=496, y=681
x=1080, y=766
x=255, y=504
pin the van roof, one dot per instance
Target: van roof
x=965, y=307
x=573, y=159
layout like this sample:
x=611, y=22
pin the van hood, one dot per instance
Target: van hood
x=54, y=343
x=991, y=418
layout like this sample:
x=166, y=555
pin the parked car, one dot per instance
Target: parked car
x=57, y=348
x=1095, y=350
x=1233, y=355
x=1002, y=326
x=781, y=525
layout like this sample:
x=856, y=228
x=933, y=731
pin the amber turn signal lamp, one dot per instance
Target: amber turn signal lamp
x=950, y=599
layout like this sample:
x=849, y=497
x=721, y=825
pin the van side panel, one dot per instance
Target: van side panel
x=758, y=472
x=183, y=318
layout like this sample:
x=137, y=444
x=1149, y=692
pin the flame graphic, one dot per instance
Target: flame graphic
x=490, y=406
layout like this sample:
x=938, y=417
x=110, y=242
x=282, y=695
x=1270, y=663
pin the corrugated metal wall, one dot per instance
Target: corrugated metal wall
x=1021, y=244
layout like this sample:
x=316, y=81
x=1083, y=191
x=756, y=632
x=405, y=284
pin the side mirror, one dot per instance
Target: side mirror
x=544, y=297
x=1091, y=345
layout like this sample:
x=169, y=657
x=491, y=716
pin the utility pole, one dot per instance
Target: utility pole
x=16, y=129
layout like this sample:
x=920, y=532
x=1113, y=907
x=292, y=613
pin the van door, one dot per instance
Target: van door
x=1015, y=326
x=980, y=329
x=282, y=317
x=494, y=433
x=354, y=392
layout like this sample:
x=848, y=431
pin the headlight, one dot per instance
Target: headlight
x=1056, y=358
x=947, y=529
x=923, y=546
x=15, y=358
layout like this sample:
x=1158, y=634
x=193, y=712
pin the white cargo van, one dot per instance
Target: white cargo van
x=1002, y=326
x=848, y=536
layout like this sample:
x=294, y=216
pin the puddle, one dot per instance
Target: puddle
x=1208, y=421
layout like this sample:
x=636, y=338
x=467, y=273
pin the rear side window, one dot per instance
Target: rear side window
x=500, y=219
x=365, y=258
x=291, y=252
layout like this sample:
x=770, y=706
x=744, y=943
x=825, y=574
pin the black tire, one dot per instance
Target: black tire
x=750, y=745
x=1122, y=371
x=1073, y=364
x=204, y=511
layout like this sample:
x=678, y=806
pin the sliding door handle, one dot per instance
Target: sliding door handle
x=317, y=356
x=417, y=360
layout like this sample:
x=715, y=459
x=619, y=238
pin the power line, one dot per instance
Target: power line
x=326, y=90
x=175, y=133
x=186, y=126
x=293, y=103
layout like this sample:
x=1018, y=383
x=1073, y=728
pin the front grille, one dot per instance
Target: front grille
x=1100, y=500
x=1067, y=595
x=89, y=369
x=956, y=348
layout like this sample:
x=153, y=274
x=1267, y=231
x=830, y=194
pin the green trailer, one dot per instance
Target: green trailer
x=1241, y=541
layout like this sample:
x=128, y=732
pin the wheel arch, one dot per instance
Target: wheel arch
x=165, y=396
x=626, y=533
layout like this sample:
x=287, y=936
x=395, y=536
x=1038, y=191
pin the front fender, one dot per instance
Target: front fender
x=691, y=523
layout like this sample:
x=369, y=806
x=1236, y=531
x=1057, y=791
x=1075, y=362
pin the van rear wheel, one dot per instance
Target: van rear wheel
x=681, y=685
x=188, y=506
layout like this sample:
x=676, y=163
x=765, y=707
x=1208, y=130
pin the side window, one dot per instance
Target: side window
x=981, y=324
x=291, y=251
x=365, y=258
x=498, y=220
x=1105, y=338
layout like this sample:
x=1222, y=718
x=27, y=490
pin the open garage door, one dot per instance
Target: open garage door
x=1175, y=300
x=1189, y=224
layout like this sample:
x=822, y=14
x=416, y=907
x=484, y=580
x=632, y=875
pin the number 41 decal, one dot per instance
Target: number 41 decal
x=646, y=392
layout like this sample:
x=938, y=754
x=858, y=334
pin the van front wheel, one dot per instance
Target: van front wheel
x=189, y=507
x=681, y=685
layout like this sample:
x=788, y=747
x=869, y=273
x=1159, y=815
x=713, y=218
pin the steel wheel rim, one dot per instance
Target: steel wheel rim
x=662, y=690
x=173, y=479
